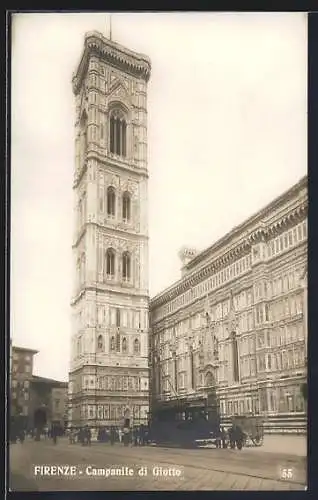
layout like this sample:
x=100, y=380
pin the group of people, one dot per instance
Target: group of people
x=18, y=433
x=233, y=437
x=136, y=436
x=82, y=435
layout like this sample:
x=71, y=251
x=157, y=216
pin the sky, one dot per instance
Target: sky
x=227, y=133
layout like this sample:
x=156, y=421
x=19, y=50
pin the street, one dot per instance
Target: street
x=102, y=467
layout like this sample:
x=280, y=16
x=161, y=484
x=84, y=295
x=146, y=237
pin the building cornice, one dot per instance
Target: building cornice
x=257, y=219
x=114, y=54
x=97, y=288
x=260, y=234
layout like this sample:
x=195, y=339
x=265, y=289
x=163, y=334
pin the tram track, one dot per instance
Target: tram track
x=227, y=468
x=200, y=470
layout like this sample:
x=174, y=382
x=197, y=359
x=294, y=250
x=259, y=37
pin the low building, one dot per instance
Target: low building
x=48, y=401
x=236, y=321
x=21, y=375
x=38, y=401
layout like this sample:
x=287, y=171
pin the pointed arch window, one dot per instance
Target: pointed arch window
x=126, y=266
x=111, y=201
x=126, y=206
x=209, y=379
x=118, y=133
x=110, y=263
x=100, y=343
x=112, y=344
x=124, y=344
x=136, y=346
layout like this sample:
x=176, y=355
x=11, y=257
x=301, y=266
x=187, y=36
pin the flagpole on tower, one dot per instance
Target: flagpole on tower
x=110, y=27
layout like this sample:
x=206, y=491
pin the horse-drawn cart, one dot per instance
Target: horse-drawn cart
x=252, y=427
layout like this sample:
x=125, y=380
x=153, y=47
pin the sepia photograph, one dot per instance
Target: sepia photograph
x=158, y=281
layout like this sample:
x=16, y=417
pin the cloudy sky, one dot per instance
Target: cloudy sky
x=227, y=133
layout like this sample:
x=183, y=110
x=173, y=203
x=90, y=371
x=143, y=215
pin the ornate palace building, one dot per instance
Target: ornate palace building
x=237, y=319
x=109, y=373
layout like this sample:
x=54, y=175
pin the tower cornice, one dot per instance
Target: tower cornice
x=112, y=53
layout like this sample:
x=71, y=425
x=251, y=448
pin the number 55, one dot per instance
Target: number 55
x=286, y=473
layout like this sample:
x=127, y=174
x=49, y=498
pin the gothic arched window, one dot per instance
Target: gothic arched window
x=209, y=379
x=126, y=206
x=136, y=346
x=110, y=262
x=118, y=133
x=126, y=266
x=112, y=344
x=111, y=201
x=124, y=345
x=100, y=343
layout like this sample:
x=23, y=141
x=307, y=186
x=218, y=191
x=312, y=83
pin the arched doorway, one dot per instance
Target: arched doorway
x=40, y=418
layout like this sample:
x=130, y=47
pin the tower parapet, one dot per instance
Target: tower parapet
x=112, y=53
x=186, y=254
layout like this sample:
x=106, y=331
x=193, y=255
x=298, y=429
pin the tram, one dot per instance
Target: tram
x=185, y=423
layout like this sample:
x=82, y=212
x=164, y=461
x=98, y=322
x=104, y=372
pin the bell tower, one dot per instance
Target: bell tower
x=109, y=377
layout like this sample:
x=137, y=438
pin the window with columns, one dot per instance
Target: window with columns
x=112, y=344
x=111, y=201
x=126, y=206
x=110, y=262
x=136, y=346
x=118, y=133
x=126, y=266
x=209, y=379
x=100, y=343
x=124, y=344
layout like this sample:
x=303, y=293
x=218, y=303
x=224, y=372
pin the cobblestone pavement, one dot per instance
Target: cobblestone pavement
x=201, y=469
x=287, y=444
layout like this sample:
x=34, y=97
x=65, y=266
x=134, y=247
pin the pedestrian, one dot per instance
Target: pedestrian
x=112, y=435
x=72, y=436
x=142, y=435
x=54, y=434
x=88, y=436
x=136, y=436
x=21, y=436
x=81, y=436
x=120, y=435
x=218, y=437
x=231, y=432
x=223, y=438
x=239, y=437
x=126, y=436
